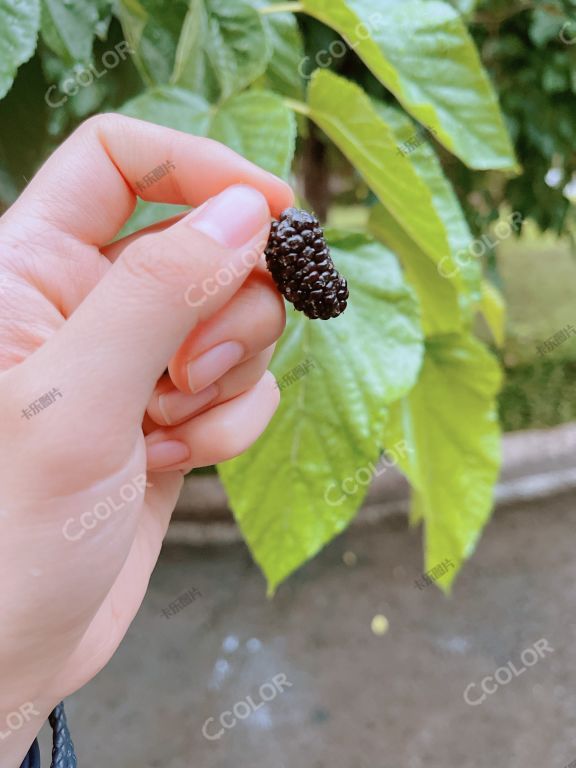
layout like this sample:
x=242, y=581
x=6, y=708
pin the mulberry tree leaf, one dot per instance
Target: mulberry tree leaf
x=449, y=287
x=294, y=490
x=69, y=27
x=283, y=73
x=257, y=125
x=449, y=422
x=368, y=141
x=152, y=29
x=422, y=52
x=19, y=23
x=223, y=48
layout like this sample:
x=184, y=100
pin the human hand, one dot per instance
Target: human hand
x=88, y=482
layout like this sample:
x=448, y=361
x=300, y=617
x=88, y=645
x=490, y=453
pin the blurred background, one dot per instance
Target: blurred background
x=360, y=659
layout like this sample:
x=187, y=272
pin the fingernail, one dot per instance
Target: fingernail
x=177, y=406
x=233, y=217
x=167, y=453
x=213, y=364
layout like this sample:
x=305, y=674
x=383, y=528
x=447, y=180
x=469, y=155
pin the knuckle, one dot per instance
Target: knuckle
x=152, y=260
x=96, y=123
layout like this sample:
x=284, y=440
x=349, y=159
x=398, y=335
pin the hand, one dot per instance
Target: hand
x=95, y=434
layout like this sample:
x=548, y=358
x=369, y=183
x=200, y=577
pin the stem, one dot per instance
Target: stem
x=298, y=106
x=293, y=7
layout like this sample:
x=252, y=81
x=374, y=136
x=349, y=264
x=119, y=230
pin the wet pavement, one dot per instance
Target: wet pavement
x=305, y=680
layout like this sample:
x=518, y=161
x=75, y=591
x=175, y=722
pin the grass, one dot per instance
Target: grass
x=539, y=285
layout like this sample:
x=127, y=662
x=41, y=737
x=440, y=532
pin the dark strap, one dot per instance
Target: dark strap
x=63, y=755
x=32, y=759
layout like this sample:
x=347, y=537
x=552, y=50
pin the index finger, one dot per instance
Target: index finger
x=88, y=186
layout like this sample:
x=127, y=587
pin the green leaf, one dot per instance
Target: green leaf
x=438, y=296
x=465, y=7
x=283, y=74
x=494, y=311
x=152, y=29
x=68, y=28
x=222, y=49
x=449, y=289
x=19, y=23
x=286, y=491
x=349, y=118
x=450, y=424
x=260, y=127
x=422, y=52
x=172, y=107
x=257, y=124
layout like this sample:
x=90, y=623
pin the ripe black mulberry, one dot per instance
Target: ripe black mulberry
x=299, y=259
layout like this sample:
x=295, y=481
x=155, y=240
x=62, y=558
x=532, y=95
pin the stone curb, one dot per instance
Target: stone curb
x=536, y=464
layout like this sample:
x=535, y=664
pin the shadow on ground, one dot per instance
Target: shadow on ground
x=357, y=699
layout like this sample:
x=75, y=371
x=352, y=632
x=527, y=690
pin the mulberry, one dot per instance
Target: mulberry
x=299, y=259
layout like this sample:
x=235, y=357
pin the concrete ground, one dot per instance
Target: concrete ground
x=356, y=699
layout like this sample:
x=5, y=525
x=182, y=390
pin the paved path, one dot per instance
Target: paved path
x=356, y=699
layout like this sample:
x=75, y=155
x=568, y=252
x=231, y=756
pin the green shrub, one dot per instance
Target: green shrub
x=401, y=370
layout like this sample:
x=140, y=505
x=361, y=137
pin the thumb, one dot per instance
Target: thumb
x=116, y=345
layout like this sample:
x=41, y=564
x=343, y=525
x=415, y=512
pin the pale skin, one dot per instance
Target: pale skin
x=100, y=323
